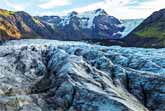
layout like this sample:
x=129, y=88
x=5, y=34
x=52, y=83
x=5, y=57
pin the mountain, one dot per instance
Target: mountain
x=94, y=25
x=17, y=25
x=150, y=33
x=7, y=29
x=90, y=25
x=49, y=75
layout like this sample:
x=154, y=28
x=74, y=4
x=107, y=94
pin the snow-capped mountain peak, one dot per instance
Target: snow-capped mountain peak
x=87, y=17
x=96, y=24
x=100, y=12
x=73, y=14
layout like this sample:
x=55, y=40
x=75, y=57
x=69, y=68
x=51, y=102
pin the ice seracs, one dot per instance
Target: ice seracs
x=48, y=75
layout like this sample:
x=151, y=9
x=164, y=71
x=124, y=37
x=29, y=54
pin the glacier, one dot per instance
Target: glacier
x=130, y=25
x=51, y=75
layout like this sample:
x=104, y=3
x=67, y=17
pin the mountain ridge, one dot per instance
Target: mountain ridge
x=91, y=25
x=96, y=26
x=150, y=33
x=23, y=26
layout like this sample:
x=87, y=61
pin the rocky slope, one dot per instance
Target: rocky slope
x=150, y=33
x=7, y=29
x=44, y=75
x=17, y=25
x=90, y=25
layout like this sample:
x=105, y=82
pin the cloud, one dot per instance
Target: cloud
x=54, y=3
x=89, y=7
x=50, y=13
x=108, y=5
x=138, y=9
x=152, y=5
x=15, y=6
x=124, y=9
x=79, y=10
x=86, y=8
x=143, y=9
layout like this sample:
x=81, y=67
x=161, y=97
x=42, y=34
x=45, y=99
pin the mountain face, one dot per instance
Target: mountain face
x=7, y=29
x=17, y=25
x=150, y=33
x=48, y=75
x=95, y=24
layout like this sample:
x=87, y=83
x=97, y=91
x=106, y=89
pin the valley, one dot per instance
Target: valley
x=74, y=55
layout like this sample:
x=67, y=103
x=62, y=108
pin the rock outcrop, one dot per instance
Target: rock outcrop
x=44, y=75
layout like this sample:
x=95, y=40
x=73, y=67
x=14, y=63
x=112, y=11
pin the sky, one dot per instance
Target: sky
x=122, y=9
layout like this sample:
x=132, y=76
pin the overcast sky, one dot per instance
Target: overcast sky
x=123, y=9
